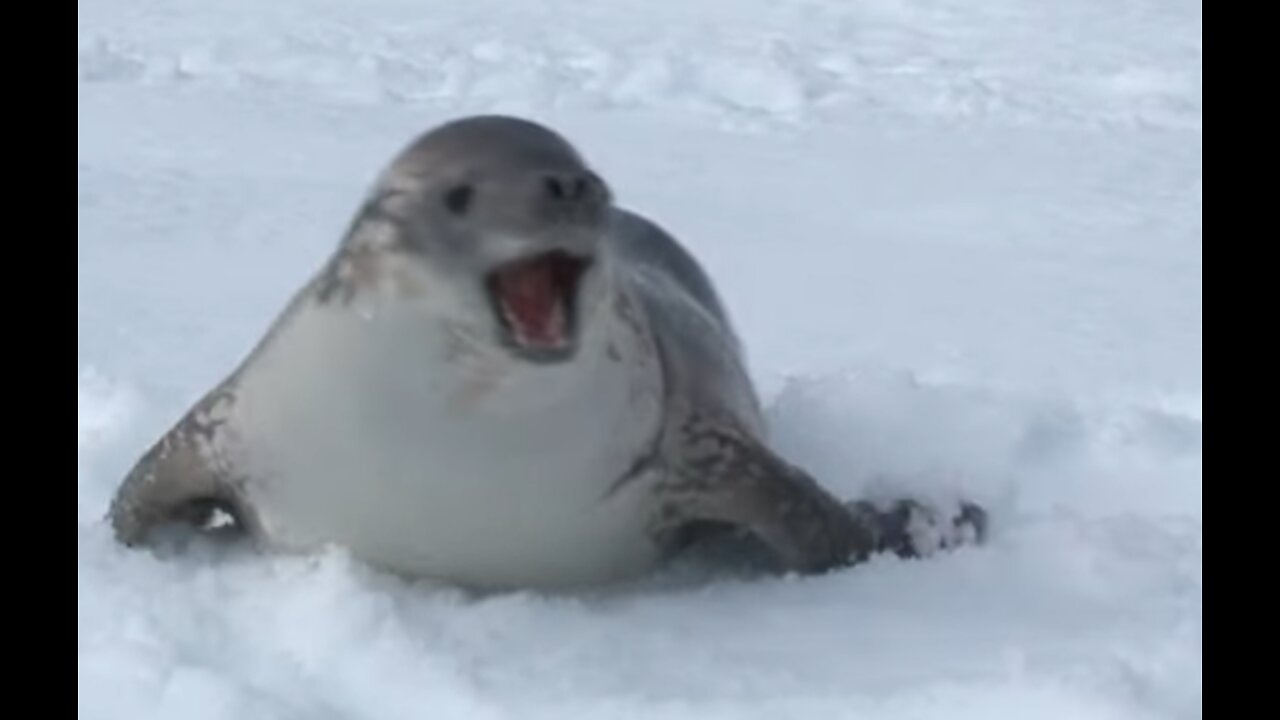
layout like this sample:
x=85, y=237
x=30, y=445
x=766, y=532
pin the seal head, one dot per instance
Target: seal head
x=508, y=212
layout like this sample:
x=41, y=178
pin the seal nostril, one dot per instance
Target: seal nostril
x=572, y=190
x=554, y=187
x=458, y=199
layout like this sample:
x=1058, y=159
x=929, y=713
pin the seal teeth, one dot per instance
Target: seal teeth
x=535, y=313
x=535, y=299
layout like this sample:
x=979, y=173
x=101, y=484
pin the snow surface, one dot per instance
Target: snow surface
x=962, y=241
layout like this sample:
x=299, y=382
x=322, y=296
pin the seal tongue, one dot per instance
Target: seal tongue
x=532, y=299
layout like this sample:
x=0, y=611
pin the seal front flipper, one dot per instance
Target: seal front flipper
x=724, y=476
x=910, y=529
x=178, y=481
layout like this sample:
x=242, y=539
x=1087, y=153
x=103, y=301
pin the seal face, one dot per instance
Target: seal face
x=499, y=379
x=522, y=217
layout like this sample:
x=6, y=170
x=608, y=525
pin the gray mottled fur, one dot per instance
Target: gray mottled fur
x=715, y=468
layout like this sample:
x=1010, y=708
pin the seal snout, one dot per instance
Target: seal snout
x=572, y=195
x=535, y=302
x=569, y=188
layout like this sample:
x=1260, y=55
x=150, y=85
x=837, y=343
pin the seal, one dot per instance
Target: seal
x=502, y=379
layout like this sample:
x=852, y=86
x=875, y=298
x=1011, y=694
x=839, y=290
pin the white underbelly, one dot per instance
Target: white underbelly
x=401, y=459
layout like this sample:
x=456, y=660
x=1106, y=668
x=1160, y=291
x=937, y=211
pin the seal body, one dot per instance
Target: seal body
x=375, y=426
x=499, y=379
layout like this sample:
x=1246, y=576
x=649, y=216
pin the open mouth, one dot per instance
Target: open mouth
x=535, y=300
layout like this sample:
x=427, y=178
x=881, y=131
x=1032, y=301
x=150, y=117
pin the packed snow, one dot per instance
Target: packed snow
x=961, y=241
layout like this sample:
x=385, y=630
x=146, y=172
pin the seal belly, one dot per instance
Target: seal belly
x=372, y=440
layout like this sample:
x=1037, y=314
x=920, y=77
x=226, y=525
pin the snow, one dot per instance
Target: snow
x=962, y=242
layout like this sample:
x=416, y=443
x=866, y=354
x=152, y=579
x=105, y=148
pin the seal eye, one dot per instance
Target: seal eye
x=458, y=198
